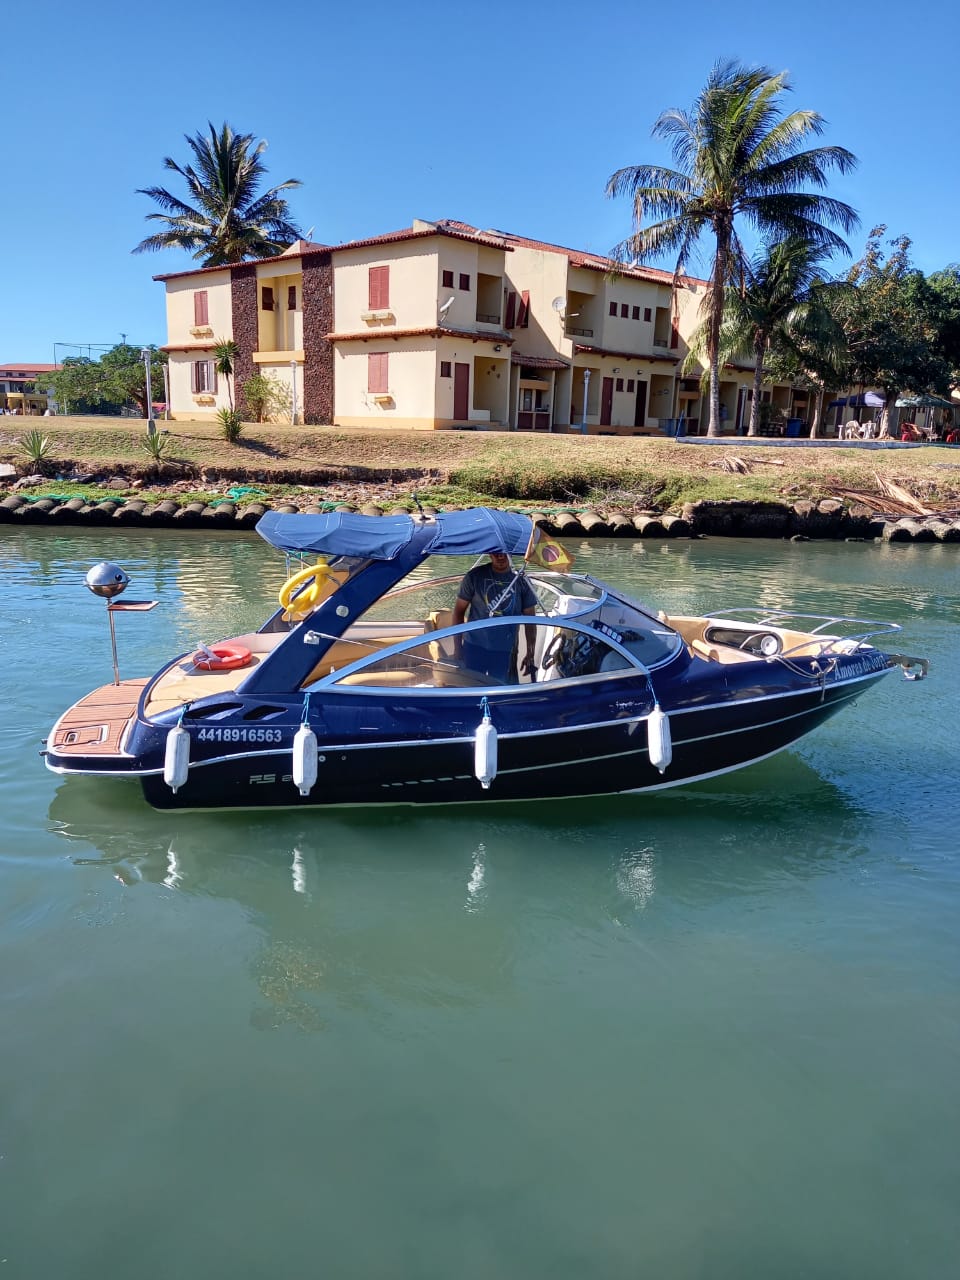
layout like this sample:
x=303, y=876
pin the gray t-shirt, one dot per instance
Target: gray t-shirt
x=482, y=588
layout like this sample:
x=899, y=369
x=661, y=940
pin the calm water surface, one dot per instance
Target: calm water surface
x=711, y=1033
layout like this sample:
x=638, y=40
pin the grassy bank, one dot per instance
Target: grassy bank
x=466, y=467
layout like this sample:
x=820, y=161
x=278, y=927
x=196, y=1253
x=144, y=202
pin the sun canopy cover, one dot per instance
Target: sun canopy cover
x=869, y=400
x=343, y=533
x=924, y=402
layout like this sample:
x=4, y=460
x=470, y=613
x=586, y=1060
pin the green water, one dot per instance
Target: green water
x=709, y=1033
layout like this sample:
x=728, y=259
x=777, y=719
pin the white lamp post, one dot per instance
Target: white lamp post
x=293, y=401
x=151, y=425
x=586, y=392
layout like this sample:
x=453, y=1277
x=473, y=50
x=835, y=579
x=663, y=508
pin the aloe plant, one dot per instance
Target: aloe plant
x=231, y=423
x=36, y=447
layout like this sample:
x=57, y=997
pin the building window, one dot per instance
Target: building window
x=464, y=282
x=636, y=313
x=646, y=314
x=445, y=369
x=613, y=308
x=203, y=378
x=200, y=313
x=291, y=297
x=446, y=279
x=624, y=311
x=619, y=384
x=629, y=384
x=378, y=288
x=377, y=379
x=266, y=298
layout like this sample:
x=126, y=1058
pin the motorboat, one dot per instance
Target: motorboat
x=362, y=687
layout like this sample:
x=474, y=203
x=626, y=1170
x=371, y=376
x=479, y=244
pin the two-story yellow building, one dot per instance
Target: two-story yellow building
x=445, y=325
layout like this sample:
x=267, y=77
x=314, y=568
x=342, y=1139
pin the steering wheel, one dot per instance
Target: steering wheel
x=755, y=644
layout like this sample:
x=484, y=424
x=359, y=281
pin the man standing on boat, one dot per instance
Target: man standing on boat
x=494, y=590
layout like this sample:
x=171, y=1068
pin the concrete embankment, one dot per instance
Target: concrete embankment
x=827, y=519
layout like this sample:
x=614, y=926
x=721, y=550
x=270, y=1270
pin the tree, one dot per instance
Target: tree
x=227, y=221
x=111, y=383
x=737, y=158
x=224, y=358
x=782, y=305
x=892, y=320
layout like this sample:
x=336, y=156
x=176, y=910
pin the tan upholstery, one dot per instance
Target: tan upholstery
x=439, y=618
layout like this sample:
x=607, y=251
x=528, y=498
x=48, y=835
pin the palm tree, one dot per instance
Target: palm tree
x=225, y=354
x=736, y=156
x=781, y=304
x=228, y=221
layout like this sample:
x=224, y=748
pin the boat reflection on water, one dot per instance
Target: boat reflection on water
x=386, y=871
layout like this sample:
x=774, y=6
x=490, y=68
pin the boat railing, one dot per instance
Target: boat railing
x=855, y=633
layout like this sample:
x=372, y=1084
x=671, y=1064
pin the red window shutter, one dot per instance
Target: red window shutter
x=378, y=288
x=624, y=311
x=377, y=382
x=523, y=312
x=200, y=308
x=613, y=308
x=291, y=297
x=511, y=310
x=266, y=298
x=674, y=333
x=447, y=279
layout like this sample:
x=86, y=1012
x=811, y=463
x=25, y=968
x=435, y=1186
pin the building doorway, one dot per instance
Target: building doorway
x=461, y=391
x=606, y=403
x=640, y=413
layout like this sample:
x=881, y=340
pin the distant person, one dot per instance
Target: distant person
x=494, y=591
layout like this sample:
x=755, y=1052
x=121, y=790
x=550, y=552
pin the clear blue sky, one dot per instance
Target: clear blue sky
x=508, y=116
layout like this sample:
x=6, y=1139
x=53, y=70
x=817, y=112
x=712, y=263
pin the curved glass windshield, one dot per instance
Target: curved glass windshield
x=496, y=653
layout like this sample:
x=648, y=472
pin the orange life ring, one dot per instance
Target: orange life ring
x=226, y=657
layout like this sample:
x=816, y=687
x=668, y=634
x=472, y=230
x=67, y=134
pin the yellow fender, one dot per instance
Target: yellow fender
x=324, y=582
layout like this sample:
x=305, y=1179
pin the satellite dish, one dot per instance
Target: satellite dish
x=559, y=305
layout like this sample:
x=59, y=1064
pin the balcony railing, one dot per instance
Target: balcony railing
x=578, y=333
x=487, y=319
x=660, y=342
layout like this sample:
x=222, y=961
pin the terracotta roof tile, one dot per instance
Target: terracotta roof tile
x=538, y=362
x=579, y=257
x=624, y=355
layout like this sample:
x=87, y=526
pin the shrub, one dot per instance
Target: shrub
x=37, y=448
x=231, y=423
x=266, y=397
x=155, y=444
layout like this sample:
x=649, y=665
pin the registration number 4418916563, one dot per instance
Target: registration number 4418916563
x=228, y=734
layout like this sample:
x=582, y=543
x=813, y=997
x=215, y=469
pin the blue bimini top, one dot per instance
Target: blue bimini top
x=343, y=533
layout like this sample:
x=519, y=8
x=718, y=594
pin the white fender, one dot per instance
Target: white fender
x=304, y=759
x=485, y=753
x=659, y=742
x=176, y=758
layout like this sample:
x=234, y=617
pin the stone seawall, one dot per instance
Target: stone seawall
x=828, y=519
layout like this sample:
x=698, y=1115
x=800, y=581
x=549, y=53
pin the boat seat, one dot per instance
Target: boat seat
x=700, y=649
x=439, y=618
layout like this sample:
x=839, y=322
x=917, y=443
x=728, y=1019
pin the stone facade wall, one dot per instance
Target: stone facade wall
x=243, y=288
x=318, y=403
